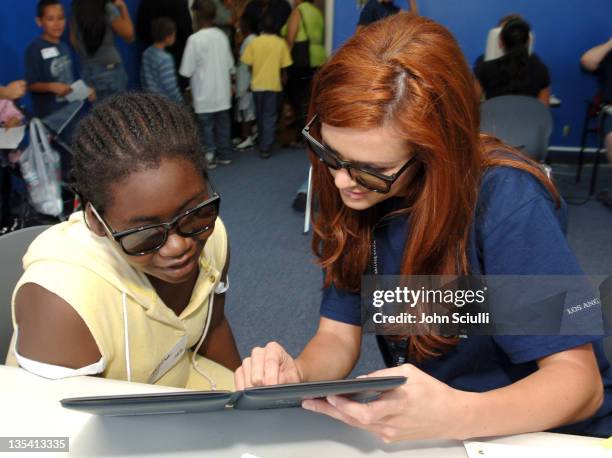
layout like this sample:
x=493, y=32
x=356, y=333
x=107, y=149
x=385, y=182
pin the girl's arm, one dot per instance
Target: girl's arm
x=219, y=344
x=123, y=25
x=60, y=89
x=51, y=331
x=293, y=26
x=566, y=388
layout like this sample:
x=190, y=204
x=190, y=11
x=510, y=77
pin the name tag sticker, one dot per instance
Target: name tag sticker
x=169, y=360
x=49, y=53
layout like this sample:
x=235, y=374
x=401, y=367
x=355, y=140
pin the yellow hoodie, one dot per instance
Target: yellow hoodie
x=119, y=305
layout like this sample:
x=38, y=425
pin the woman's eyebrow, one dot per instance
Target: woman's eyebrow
x=156, y=219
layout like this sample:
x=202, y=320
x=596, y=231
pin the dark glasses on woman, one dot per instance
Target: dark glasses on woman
x=150, y=238
x=364, y=176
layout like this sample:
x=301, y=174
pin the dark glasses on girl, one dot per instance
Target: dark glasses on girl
x=150, y=238
x=364, y=176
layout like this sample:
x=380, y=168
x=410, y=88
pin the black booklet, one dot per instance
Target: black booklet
x=263, y=397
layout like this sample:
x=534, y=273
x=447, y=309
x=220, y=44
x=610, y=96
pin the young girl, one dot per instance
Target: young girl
x=395, y=134
x=133, y=286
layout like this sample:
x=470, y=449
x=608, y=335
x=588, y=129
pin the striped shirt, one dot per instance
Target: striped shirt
x=158, y=75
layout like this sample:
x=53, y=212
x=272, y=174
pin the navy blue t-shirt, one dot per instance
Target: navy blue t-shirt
x=47, y=62
x=517, y=231
x=374, y=11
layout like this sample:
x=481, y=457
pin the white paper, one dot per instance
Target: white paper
x=10, y=138
x=496, y=450
x=80, y=91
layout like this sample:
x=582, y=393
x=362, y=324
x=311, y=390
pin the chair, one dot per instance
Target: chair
x=12, y=248
x=520, y=121
x=308, y=203
x=594, y=119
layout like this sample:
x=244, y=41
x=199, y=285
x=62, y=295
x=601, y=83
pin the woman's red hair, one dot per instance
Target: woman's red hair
x=407, y=72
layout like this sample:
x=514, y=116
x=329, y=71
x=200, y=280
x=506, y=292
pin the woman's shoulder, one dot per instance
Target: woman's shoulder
x=506, y=192
x=512, y=185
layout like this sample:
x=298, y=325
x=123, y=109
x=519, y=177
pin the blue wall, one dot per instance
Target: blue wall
x=564, y=30
x=18, y=28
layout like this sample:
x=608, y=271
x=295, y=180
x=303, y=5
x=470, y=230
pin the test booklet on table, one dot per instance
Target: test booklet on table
x=263, y=397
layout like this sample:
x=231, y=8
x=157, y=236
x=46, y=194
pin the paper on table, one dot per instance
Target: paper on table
x=80, y=91
x=10, y=138
x=493, y=450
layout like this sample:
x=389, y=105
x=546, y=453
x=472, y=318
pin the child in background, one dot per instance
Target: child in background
x=49, y=74
x=157, y=73
x=209, y=64
x=268, y=55
x=48, y=63
x=245, y=105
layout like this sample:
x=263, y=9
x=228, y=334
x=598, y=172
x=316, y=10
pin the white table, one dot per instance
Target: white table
x=29, y=407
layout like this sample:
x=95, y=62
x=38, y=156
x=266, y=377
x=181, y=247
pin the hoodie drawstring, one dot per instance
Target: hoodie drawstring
x=126, y=338
x=194, y=363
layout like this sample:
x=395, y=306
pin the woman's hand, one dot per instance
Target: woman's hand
x=270, y=365
x=422, y=408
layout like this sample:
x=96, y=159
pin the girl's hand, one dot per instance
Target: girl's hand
x=13, y=121
x=422, y=408
x=92, y=95
x=267, y=366
x=14, y=90
x=61, y=89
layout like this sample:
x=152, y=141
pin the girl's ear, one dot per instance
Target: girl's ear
x=92, y=222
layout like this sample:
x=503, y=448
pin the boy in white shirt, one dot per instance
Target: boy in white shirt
x=209, y=64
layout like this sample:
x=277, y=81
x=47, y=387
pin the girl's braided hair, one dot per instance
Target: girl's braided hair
x=127, y=133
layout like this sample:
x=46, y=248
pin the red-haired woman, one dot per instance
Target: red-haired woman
x=395, y=129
